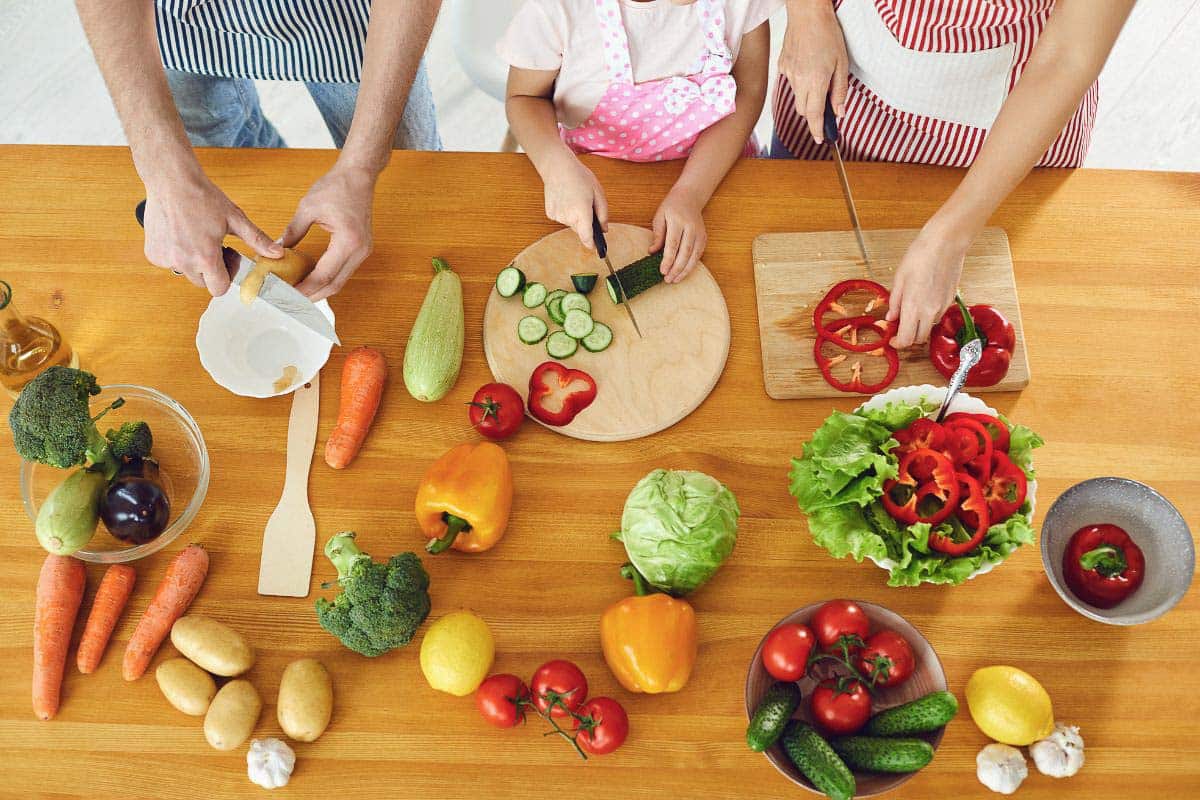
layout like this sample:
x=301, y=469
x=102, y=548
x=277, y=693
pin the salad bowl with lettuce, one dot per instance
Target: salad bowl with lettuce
x=839, y=481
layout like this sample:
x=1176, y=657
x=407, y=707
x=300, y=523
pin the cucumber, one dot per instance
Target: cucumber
x=813, y=756
x=922, y=715
x=559, y=345
x=531, y=329
x=877, y=754
x=433, y=355
x=510, y=281
x=577, y=324
x=576, y=300
x=585, y=282
x=535, y=295
x=555, y=310
x=635, y=278
x=599, y=339
x=554, y=294
x=772, y=715
x=67, y=520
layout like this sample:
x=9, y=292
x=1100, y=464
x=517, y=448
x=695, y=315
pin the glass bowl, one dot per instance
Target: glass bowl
x=183, y=469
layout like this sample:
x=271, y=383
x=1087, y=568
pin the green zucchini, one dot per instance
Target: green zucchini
x=577, y=324
x=531, y=329
x=922, y=715
x=67, y=519
x=635, y=278
x=576, y=300
x=813, y=756
x=534, y=295
x=555, y=310
x=433, y=355
x=599, y=339
x=772, y=715
x=559, y=345
x=510, y=281
x=584, y=282
x=879, y=754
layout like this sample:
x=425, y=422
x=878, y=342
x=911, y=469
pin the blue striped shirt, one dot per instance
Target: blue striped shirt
x=295, y=40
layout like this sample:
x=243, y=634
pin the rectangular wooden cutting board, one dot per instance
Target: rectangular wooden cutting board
x=793, y=271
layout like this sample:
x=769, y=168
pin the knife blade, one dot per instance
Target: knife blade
x=602, y=251
x=832, y=136
x=275, y=292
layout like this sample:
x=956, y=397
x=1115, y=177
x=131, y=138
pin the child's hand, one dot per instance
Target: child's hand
x=572, y=191
x=679, y=232
x=925, y=284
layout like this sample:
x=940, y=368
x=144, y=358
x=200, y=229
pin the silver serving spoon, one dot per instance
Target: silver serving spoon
x=968, y=357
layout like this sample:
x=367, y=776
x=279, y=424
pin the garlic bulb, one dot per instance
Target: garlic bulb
x=1001, y=768
x=269, y=763
x=1059, y=755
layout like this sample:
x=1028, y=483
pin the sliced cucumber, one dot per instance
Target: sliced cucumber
x=510, y=281
x=576, y=300
x=531, y=329
x=554, y=294
x=559, y=345
x=584, y=282
x=578, y=324
x=635, y=278
x=555, y=310
x=599, y=339
x=535, y=295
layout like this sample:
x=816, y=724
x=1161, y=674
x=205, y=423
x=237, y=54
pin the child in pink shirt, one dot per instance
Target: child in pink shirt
x=639, y=80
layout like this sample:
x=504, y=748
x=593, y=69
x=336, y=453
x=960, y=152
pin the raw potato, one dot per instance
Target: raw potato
x=186, y=686
x=232, y=715
x=293, y=268
x=305, y=700
x=212, y=645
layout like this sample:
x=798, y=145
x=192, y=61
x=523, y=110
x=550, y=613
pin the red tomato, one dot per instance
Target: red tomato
x=496, y=411
x=888, y=658
x=604, y=725
x=840, y=711
x=785, y=653
x=839, y=618
x=559, y=680
x=498, y=700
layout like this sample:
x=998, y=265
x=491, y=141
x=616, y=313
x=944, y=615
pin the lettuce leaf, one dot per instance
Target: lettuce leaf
x=846, y=462
x=1021, y=442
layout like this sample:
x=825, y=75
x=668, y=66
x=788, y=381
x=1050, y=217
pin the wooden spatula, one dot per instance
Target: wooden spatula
x=291, y=533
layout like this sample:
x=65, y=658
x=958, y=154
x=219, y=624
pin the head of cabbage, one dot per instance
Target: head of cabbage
x=678, y=527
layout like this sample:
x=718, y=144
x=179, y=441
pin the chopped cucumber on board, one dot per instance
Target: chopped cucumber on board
x=577, y=324
x=599, y=339
x=555, y=310
x=576, y=300
x=535, y=295
x=510, y=281
x=584, y=282
x=635, y=278
x=569, y=309
x=554, y=294
x=531, y=329
x=559, y=345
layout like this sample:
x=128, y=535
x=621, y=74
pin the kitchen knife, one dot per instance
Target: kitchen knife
x=602, y=251
x=277, y=293
x=832, y=136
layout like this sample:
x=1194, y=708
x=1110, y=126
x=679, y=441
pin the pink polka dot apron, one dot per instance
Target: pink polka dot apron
x=657, y=120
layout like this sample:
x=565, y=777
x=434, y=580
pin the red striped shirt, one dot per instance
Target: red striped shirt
x=872, y=130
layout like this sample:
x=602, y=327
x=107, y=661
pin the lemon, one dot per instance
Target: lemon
x=1009, y=705
x=457, y=653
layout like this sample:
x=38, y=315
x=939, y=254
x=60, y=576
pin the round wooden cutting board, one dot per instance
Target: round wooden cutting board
x=643, y=385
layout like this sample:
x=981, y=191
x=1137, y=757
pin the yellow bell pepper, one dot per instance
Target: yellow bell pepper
x=649, y=640
x=465, y=498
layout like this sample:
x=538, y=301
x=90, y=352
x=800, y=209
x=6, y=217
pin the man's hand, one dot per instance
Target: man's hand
x=815, y=62
x=572, y=192
x=340, y=202
x=679, y=232
x=186, y=221
x=926, y=281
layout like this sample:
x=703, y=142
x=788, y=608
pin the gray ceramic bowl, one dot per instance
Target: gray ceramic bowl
x=1153, y=524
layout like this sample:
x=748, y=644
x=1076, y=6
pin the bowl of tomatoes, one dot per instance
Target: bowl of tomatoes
x=851, y=661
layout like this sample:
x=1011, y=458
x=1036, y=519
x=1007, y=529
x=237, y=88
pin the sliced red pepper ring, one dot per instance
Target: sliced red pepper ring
x=1005, y=489
x=994, y=425
x=970, y=447
x=925, y=489
x=970, y=522
x=859, y=334
x=923, y=432
x=853, y=298
x=865, y=373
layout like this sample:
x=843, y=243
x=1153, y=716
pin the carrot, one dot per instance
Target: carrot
x=59, y=594
x=363, y=376
x=107, y=606
x=176, y=592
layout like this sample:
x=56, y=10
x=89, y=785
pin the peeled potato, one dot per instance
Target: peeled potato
x=232, y=715
x=305, y=700
x=186, y=686
x=293, y=268
x=212, y=645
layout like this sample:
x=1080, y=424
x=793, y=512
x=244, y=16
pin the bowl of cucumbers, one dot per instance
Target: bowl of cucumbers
x=846, y=698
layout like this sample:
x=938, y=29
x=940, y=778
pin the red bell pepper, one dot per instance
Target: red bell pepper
x=1102, y=565
x=995, y=427
x=859, y=334
x=557, y=394
x=923, y=432
x=970, y=447
x=1005, y=488
x=972, y=516
x=838, y=301
x=923, y=474
x=958, y=326
x=883, y=355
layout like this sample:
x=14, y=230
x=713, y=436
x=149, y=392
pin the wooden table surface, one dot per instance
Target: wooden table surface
x=1107, y=270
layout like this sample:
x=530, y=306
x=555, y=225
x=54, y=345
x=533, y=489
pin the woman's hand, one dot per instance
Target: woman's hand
x=679, y=232
x=572, y=192
x=815, y=62
x=925, y=283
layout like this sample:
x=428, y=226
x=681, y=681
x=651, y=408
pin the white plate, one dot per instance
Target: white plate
x=247, y=348
x=963, y=402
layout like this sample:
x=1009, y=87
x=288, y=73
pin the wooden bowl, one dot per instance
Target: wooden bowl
x=928, y=676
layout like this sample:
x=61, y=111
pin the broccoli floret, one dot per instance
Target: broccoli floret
x=381, y=605
x=51, y=421
x=131, y=440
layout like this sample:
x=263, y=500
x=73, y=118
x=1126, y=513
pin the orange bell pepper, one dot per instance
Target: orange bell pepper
x=465, y=498
x=649, y=640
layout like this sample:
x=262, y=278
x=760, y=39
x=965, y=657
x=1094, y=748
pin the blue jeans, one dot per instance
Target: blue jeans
x=225, y=112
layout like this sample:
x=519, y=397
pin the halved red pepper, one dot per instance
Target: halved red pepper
x=972, y=516
x=958, y=326
x=859, y=334
x=837, y=301
x=995, y=427
x=970, y=447
x=889, y=359
x=1005, y=488
x=923, y=474
x=557, y=394
x=923, y=432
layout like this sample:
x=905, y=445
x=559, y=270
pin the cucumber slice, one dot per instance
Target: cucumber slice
x=535, y=295
x=599, y=339
x=554, y=294
x=559, y=345
x=555, y=310
x=510, y=281
x=576, y=300
x=531, y=329
x=635, y=278
x=584, y=282
x=578, y=324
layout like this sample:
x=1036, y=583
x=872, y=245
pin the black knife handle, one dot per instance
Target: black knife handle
x=598, y=235
x=140, y=212
x=831, y=126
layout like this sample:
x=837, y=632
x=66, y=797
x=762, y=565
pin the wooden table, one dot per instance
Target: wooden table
x=1107, y=271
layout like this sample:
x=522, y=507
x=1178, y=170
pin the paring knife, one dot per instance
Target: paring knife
x=602, y=251
x=277, y=293
x=832, y=136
